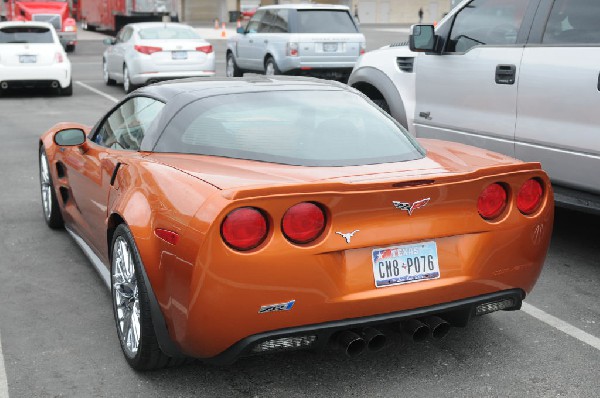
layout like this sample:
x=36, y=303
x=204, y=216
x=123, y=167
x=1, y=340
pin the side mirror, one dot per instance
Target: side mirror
x=422, y=38
x=70, y=137
x=241, y=30
x=109, y=41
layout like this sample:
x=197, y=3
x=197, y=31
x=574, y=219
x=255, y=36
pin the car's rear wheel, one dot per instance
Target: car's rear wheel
x=131, y=306
x=106, y=76
x=128, y=86
x=50, y=205
x=271, y=68
x=231, y=68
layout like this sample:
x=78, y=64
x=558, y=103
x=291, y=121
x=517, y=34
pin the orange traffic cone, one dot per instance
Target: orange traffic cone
x=223, y=31
x=216, y=23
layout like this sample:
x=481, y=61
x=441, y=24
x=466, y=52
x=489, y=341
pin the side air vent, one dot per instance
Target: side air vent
x=402, y=43
x=60, y=170
x=405, y=64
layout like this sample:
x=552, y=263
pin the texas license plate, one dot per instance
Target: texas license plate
x=330, y=47
x=179, y=55
x=27, y=59
x=404, y=264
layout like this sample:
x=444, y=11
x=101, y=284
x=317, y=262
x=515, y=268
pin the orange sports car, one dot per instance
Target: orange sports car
x=242, y=216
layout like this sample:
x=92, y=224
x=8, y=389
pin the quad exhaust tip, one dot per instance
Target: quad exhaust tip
x=416, y=329
x=374, y=339
x=352, y=344
x=439, y=327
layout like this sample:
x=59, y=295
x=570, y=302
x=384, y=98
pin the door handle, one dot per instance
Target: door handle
x=598, y=82
x=266, y=41
x=250, y=41
x=505, y=74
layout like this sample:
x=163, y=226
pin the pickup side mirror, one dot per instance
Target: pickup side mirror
x=241, y=30
x=422, y=38
x=70, y=137
x=110, y=41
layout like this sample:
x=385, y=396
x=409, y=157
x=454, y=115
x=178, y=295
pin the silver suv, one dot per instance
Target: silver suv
x=303, y=39
x=520, y=77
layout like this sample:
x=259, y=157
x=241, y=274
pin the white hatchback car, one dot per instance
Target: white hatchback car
x=149, y=52
x=31, y=56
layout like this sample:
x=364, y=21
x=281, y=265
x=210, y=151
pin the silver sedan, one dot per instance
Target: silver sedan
x=149, y=52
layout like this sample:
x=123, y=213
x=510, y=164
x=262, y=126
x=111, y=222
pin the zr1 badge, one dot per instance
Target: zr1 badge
x=276, y=307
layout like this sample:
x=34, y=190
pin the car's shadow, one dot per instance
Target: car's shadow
x=20, y=93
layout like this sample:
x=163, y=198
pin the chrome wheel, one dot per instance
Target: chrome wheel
x=105, y=72
x=125, y=296
x=270, y=69
x=229, y=68
x=126, y=82
x=46, y=186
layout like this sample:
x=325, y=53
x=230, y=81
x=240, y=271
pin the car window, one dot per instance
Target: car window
x=574, y=22
x=126, y=126
x=304, y=127
x=325, y=21
x=274, y=21
x=26, y=34
x=168, y=33
x=486, y=22
x=254, y=24
x=127, y=32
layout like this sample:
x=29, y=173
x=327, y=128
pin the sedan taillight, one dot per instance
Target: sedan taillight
x=205, y=49
x=244, y=228
x=147, y=49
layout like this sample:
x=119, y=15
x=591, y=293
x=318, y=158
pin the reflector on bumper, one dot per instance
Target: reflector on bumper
x=285, y=343
x=486, y=308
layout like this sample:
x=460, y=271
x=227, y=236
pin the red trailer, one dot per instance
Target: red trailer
x=56, y=12
x=114, y=14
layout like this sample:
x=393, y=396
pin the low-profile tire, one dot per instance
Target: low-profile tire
x=231, y=68
x=271, y=68
x=131, y=306
x=382, y=104
x=128, y=86
x=67, y=91
x=106, y=76
x=50, y=206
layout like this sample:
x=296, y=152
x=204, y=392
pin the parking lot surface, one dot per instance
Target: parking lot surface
x=58, y=337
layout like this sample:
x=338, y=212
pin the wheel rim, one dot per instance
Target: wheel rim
x=229, y=68
x=125, y=296
x=45, y=186
x=105, y=72
x=270, y=69
x=126, y=79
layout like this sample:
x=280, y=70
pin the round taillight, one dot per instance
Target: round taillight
x=492, y=201
x=244, y=228
x=530, y=196
x=303, y=223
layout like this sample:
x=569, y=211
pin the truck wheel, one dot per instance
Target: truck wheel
x=382, y=104
x=271, y=68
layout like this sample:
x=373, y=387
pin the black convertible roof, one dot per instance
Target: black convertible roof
x=204, y=87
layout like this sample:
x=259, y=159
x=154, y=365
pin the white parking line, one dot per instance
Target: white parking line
x=562, y=326
x=3, y=379
x=94, y=90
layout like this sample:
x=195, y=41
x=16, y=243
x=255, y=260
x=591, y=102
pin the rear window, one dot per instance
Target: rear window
x=305, y=128
x=325, y=21
x=53, y=19
x=26, y=34
x=168, y=34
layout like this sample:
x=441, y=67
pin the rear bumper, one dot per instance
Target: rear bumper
x=288, y=64
x=36, y=75
x=457, y=313
x=143, y=69
x=144, y=78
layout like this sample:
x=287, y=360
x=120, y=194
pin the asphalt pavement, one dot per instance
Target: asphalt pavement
x=58, y=337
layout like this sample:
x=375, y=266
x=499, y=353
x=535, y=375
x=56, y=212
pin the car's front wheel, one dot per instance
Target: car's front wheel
x=106, y=76
x=131, y=305
x=50, y=206
x=231, y=68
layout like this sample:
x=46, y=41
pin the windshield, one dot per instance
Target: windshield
x=325, y=21
x=26, y=34
x=53, y=19
x=305, y=128
x=168, y=33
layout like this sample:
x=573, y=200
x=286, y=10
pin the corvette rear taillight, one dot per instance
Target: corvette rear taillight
x=530, y=196
x=244, y=228
x=303, y=223
x=492, y=201
x=147, y=49
x=205, y=49
x=58, y=58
